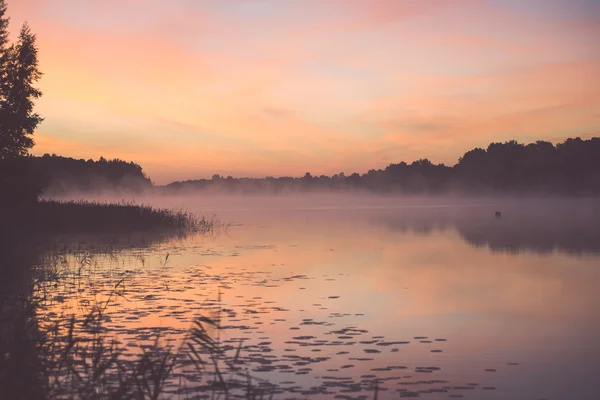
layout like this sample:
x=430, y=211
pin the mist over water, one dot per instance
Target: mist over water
x=434, y=296
x=541, y=224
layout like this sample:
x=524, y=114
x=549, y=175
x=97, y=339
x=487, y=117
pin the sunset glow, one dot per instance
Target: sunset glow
x=253, y=88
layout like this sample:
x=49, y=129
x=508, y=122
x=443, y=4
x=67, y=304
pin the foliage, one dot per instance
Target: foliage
x=4, y=20
x=66, y=175
x=20, y=184
x=569, y=168
x=20, y=73
x=80, y=217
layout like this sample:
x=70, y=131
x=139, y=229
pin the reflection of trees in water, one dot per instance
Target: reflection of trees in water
x=535, y=235
x=541, y=229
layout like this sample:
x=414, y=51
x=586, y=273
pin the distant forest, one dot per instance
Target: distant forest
x=64, y=175
x=569, y=168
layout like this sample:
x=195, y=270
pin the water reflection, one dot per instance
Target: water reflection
x=336, y=302
x=541, y=230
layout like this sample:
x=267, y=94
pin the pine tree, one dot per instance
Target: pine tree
x=3, y=25
x=17, y=118
x=3, y=47
x=20, y=184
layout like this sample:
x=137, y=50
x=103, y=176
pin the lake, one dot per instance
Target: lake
x=336, y=295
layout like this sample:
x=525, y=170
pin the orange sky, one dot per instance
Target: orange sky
x=252, y=88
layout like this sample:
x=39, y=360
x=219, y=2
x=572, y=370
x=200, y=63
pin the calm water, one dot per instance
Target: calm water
x=436, y=299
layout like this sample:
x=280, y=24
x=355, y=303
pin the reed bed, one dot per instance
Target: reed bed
x=97, y=217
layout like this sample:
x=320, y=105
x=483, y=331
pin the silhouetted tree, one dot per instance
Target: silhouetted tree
x=19, y=184
x=3, y=47
x=17, y=118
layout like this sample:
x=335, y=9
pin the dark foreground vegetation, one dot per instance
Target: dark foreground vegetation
x=570, y=168
x=91, y=217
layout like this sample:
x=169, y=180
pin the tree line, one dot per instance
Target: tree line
x=568, y=168
x=64, y=175
x=571, y=167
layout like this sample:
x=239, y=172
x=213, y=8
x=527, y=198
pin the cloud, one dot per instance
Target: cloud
x=279, y=88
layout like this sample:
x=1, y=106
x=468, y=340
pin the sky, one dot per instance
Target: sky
x=190, y=88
